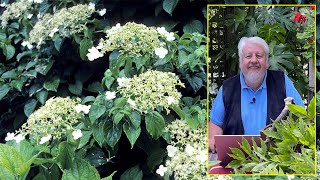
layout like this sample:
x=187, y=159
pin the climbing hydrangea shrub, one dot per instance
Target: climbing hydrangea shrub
x=67, y=21
x=187, y=152
x=15, y=11
x=54, y=119
x=150, y=90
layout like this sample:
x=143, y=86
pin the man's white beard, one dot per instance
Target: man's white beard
x=254, y=77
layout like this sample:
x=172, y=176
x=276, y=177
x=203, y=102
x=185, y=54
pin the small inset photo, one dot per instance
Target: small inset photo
x=261, y=109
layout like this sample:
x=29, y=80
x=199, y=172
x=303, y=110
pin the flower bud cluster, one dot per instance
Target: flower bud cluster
x=67, y=21
x=14, y=11
x=52, y=120
x=132, y=38
x=150, y=90
x=187, y=151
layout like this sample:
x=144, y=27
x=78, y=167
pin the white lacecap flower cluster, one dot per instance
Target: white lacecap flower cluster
x=52, y=121
x=150, y=90
x=133, y=39
x=65, y=21
x=187, y=152
x=15, y=11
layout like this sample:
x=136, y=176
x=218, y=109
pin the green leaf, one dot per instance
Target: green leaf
x=9, y=74
x=246, y=146
x=23, y=54
x=132, y=133
x=42, y=96
x=114, y=135
x=17, y=84
x=4, y=89
x=118, y=117
x=195, y=82
x=135, y=118
x=88, y=99
x=260, y=167
x=297, y=110
x=76, y=88
x=237, y=154
x=58, y=42
x=30, y=106
x=155, y=124
x=133, y=173
x=95, y=87
x=99, y=132
x=96, y=111
x=169, y=5
x=66, y=155
x=193, y=26
x=53, y=84
x=8, y=51
x=81, y=170
x=10, y=159
x=182, y=58
x=156, y=157
x=234, y=164
x=86, y=135
x=96, y=156
x=85, y=44
x=312, y=108
x=5, y=174
x=108, y=79
x=109, y=177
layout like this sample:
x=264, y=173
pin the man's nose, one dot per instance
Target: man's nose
x=254, y=59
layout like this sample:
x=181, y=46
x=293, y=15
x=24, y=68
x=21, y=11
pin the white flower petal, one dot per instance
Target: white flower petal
x=77, y=134
x=110, y=95
x=82, y=108
x=9, y=137
x=171, y=100
x=189, y=150
x=19, y=138
x=161, y=170
x=92, y=6
x=45, y=139
x=94, y=53
x=171, y=150
x=161, y=52
x=131, y=102
x=170, y=36
x=102, y=12
x=3, y=4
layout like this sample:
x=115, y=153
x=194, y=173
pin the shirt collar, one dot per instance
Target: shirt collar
x=245, y=86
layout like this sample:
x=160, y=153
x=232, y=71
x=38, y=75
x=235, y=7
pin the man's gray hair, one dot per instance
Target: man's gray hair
x=255, y=40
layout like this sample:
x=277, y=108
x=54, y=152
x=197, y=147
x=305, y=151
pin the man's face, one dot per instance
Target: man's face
x=254, y=62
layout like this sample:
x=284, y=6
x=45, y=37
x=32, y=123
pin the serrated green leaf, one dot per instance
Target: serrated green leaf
x=42, y=96
x=99, y=132
x=9, y=51
x=81, y=170
x=23, y=54
x=169, y=5
x=132, y=133
x=109, y=177
x=30, y=106
x=155, y=124
x=66, y=155
x=193, y=26
x=113, y=135
x=96, y=111
x=85, y=44
x=44, y=67
x=53, y=84
x=58, y=42
x=76, y=88
x=10, y=159
x=272, y=134
x=234, y=164
x=133, y=173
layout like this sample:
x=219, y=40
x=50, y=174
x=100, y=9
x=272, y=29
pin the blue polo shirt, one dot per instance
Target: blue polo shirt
x=254, y=115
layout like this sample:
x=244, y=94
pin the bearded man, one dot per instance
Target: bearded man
x=247, y=102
